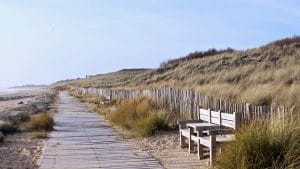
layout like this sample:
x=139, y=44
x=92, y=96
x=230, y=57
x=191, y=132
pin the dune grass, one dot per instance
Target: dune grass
x=141, y=116
x=88, y=98
x=147, y=126
x=272, y=145
x=40, y=122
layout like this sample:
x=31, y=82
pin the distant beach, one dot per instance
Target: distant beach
x=6, y=91
x=9, y=92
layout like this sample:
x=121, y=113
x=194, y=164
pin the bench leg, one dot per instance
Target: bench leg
x=199, y=150
x=181, y=139
x=212, y=149
x=191, y=145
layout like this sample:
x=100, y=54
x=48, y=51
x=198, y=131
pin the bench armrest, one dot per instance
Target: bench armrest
x=220, y=132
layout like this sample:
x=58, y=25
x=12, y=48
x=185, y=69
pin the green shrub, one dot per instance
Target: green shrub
x=40, y=122
x=273, y=145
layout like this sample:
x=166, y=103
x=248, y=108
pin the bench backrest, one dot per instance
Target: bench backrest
x=220, y=118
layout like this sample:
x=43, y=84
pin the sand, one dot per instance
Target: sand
x=6, y=105
x=19, y=150
x=165, y=147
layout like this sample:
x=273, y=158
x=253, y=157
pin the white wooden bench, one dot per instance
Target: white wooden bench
x=104, y=101
x=194, y=132
x=185, y=132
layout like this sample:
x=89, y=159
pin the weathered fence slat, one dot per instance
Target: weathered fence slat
x=186, y=102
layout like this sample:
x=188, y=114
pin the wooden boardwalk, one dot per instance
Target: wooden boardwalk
x=83, y=140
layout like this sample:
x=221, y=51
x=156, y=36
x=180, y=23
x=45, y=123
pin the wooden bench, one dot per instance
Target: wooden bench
x=185, y=132
x=104, y=101
x=227, y=124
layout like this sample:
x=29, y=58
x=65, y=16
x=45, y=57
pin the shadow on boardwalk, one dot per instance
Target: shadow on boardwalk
x=83, y=140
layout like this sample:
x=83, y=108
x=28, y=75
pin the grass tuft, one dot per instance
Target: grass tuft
x=146, y=127
x=40, y=122
x=40, y=135
x=273, y=145
x=141, y=116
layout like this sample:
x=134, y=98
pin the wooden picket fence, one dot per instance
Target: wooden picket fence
x=186, y=103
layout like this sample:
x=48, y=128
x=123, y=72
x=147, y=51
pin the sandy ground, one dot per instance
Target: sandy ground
x=19, y=151
x=29, y=96
x=5, y=105
x=165, y=147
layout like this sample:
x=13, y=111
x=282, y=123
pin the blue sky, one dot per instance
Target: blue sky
x=42, y=41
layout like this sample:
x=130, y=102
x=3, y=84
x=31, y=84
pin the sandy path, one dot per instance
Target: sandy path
x=83, y=140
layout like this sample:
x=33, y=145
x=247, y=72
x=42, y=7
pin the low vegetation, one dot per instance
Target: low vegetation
x=141, y=116
x=40, y=122
x=26, y=117
x=106, y=109
x=8, y=128
x=120, y=78
x=273, y=144
x=147, y=126
x=87, y=97
x=40, y=135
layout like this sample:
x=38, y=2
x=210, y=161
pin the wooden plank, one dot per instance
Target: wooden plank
x=204, y=112
x=227, y=116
